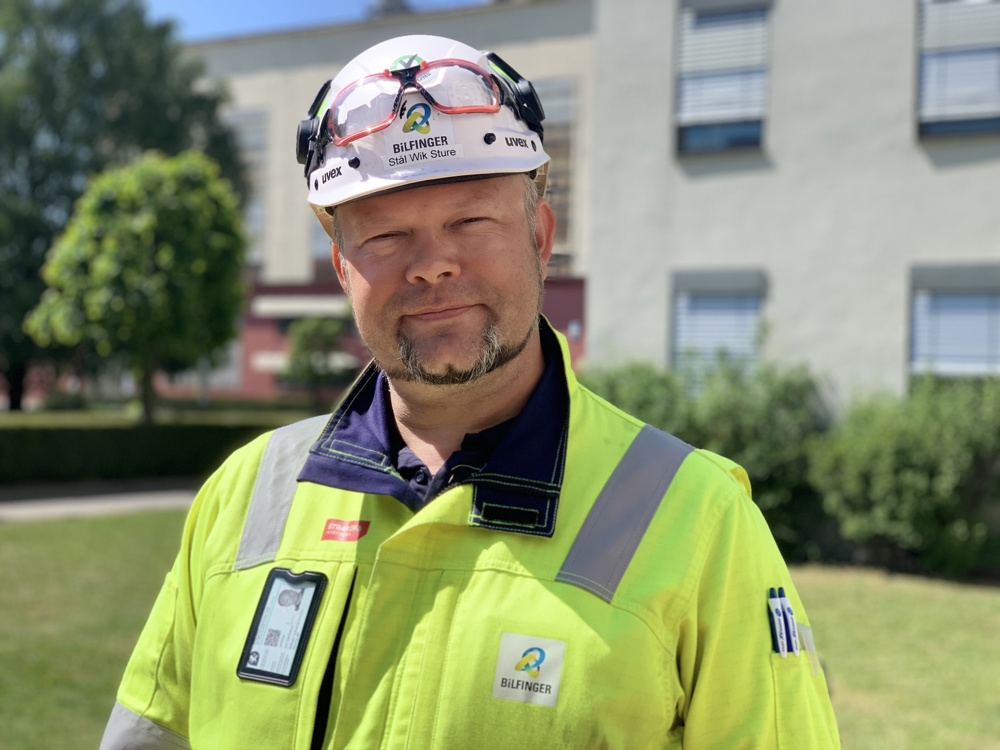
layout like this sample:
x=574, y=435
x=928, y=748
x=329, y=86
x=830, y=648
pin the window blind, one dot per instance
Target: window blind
x=706, y=325
x=959, y=60
x=956, y=333
x=722, y=66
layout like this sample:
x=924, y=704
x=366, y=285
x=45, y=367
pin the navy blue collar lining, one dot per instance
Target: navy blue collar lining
x=517, y=489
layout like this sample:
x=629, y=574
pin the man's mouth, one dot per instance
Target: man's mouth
x=438, y=312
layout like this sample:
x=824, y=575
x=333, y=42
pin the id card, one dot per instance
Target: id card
x=281, y=627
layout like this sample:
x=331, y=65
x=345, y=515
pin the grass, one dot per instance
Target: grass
x=75, y=596
x=913, y=662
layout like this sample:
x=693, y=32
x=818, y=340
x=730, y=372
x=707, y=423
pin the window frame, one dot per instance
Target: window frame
x=939, y=110
x=719, y=284
x=953, y=285
x=700, y=132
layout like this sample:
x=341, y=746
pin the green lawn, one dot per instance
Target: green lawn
x=75, y=596
x=913, y=663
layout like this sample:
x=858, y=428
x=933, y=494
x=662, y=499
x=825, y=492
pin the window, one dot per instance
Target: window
x=250, y=127
x=557, y=95
x=959, y=67
x=716, y=313
x=721, y=79
x=956, y=321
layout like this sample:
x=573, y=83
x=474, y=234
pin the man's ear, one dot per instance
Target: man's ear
x=340, y=267
x=545, y=232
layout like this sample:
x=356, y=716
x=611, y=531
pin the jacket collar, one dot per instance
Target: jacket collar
x=516, y=490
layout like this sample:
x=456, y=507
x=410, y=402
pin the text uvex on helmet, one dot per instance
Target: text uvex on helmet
x=418, y=109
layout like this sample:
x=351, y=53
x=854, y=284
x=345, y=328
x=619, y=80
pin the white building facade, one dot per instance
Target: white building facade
x=803, y=181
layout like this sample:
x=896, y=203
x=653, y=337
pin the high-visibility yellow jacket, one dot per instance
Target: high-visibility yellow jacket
x=642, y=622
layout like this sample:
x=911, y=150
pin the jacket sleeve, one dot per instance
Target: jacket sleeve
x=738, y=692
x=153, y=702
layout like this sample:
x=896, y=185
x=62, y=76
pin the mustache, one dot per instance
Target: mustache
x=417, y=301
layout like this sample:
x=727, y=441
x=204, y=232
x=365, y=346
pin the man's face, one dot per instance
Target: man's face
x=445, y=280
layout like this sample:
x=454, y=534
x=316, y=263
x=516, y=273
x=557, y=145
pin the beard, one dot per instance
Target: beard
x=492, y=356
x=492, y=353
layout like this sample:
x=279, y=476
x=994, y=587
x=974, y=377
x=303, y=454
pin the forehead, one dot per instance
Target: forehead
x=496, y=192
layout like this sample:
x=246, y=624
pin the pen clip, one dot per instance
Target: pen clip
x=777, y=619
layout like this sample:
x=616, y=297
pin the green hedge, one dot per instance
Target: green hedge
x=762, y=418
x=911, y=483
x=63, y=454
x=916, y=480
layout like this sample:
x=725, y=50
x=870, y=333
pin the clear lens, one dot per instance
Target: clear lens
x=364, y=105
x=453, y=86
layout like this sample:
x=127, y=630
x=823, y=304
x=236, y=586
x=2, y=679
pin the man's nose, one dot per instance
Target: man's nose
x=433, y=259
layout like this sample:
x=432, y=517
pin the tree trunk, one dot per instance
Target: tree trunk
x=15, y=375
x=147, y=393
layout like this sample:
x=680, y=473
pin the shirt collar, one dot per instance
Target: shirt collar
x=517, y=489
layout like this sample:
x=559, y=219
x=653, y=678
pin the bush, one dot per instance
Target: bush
x=315, y=345
x=916, y=480
x=654, y=395
x=40, y=454
x=760, y=417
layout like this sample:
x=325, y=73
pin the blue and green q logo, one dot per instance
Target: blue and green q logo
x=416, y=119
x=531, y=662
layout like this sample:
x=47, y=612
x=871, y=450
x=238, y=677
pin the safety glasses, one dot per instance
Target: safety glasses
x=451, y=86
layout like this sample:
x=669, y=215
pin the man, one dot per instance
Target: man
x=473, y=551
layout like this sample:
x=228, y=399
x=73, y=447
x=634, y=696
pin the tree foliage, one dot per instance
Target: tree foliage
x=84, y=84
x=149, y=268
x=314, y=343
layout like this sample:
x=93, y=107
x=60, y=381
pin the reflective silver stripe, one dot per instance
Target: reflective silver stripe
x=620, y=515
x=283, y=458
x=127, y=730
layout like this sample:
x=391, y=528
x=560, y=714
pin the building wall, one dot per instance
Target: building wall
x=840, y=203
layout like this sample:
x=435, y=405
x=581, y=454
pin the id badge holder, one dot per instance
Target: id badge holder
x=281, y=627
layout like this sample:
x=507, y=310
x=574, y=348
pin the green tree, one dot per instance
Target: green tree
x=84, y=84
x=149, y=268
x=314, y=343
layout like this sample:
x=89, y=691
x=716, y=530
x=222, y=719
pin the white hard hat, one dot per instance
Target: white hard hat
x=417, y=109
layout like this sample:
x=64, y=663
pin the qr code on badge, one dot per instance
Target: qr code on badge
x=272, y=637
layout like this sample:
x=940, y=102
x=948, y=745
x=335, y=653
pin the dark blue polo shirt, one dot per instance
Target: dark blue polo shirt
x=516, y=467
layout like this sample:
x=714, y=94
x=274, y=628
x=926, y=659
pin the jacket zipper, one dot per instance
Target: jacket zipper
x=326, y=688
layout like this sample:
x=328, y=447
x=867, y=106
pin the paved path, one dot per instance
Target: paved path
x=40, y=502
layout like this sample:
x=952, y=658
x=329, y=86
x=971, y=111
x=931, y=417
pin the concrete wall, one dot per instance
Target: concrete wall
x=840, y=203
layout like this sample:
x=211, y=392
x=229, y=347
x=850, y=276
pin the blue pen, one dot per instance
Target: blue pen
x=777, y=623
x=789, y=618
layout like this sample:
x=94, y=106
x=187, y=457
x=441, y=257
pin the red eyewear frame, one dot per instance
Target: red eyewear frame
x=407, y=78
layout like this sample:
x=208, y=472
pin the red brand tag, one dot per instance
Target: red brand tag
x=345, y=531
